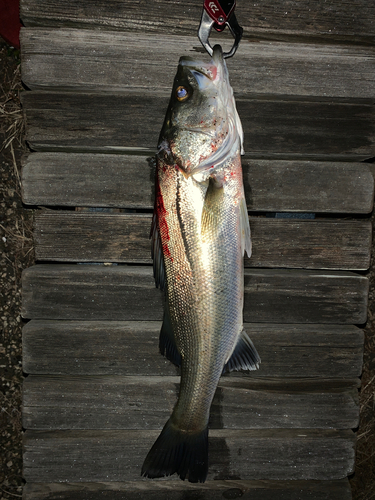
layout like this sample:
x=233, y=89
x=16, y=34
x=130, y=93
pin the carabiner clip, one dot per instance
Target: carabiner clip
x=218, y=14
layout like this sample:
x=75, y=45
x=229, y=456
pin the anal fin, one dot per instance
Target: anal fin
x=244, y=357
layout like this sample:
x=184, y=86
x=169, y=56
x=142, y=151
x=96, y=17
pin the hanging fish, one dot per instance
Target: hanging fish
x=200, y=232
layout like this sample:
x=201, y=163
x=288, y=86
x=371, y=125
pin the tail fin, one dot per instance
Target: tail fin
x=177, y=451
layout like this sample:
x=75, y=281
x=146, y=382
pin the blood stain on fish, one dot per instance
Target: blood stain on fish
x=163, y=225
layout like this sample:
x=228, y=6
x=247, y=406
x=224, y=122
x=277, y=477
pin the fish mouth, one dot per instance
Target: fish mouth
x=213, y=70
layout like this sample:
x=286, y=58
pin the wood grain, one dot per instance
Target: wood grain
x=99, y=391
x=131, y=348
x=85, y=456
x=106, y=180
x=88, y=60
x=104, y=237
x=128, y=293
x=113, y=402
x=173, y=490
x=79, y=122
x=336, y=21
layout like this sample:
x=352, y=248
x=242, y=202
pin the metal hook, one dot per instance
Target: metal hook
x=216, y=18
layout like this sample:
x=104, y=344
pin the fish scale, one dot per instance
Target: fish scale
x=201, y=227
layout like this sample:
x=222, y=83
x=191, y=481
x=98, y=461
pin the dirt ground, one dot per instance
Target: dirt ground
x=17, y=254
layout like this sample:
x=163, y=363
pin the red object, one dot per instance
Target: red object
x=10, y=23
x=219, y=11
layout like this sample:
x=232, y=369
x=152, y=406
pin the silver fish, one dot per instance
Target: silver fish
x=200, y=232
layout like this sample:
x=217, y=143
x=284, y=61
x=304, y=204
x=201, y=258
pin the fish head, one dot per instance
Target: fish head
x=201, y=121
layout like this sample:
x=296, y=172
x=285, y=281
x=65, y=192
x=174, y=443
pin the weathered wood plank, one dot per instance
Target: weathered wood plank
x=178, y=490
x=146, y=403
x=93, y=61
x=105, y=180
x=338, y=20
x=71, y=456
x=105, y=237
x=115, y=122
x=131, y=348
x=128, y=293
x=98, y=180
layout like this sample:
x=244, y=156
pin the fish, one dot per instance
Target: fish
x=200, y=231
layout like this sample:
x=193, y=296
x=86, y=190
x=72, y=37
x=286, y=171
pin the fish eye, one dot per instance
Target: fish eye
x=182, y=93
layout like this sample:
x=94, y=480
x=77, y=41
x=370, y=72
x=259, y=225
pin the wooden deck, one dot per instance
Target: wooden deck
x=97, y=393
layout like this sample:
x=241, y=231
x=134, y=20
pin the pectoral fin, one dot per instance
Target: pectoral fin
x=213, y=201
x=244, y=357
